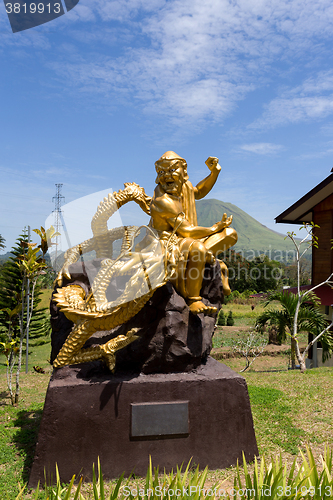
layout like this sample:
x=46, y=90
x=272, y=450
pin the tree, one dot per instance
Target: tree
x=260, y=273
x=2, y=242
x=300, y=312
x=309, y=318
x=290, y=273
x=30, y=265
x=10, y=288
x=250, y=347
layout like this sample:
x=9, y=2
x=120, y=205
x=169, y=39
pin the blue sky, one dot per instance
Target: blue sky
x=93, y=99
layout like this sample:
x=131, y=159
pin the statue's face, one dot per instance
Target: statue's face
x=171, y=177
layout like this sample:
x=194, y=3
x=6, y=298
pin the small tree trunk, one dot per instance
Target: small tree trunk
x=21, y=321
x=17, y=388
x=300, y=358
x=10, y=367
x=293, y=353
x=247, y=365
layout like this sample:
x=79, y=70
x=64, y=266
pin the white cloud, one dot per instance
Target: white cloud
x=197, y=60
x=312, y=100
x=262, y=148
x=191, y=60
x=323, y=151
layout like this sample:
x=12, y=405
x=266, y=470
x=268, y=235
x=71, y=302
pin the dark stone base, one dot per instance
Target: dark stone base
x=87, y=418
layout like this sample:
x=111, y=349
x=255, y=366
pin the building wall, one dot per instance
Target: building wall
x=322, y=260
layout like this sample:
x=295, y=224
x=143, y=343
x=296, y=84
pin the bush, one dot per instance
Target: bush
x=230, y=319
x=221, y=318
x=246, y=294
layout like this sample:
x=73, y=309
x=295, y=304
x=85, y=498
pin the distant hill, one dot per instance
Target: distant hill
x=253, y=237
x=4, y=257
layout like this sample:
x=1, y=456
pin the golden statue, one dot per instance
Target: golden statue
x=173, y=212
x=174, y=248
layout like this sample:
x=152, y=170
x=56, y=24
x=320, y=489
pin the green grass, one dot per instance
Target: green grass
x=45, y=297
x=19, y=425
x=274, y=409
x=243, y=314
x=245, y=318
x=289, y=410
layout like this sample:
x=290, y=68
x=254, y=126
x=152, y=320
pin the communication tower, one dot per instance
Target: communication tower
x=58, y=200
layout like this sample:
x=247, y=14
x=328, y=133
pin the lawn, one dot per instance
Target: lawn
x=243, y=314
x=289, y=409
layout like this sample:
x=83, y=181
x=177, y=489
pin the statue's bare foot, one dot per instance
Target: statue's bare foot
x=197, y=307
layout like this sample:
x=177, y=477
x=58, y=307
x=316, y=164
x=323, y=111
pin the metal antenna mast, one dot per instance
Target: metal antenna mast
x=58, y=200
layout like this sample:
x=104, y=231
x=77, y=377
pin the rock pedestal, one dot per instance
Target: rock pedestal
x=124, y=419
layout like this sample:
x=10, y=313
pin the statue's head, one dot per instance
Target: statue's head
x=171, y=173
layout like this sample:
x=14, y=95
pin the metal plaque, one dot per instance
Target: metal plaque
x=159, y=419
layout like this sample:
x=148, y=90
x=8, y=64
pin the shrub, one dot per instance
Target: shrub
x=246, y=294
x=221, y=318
x=230, y=319
x=271, y=480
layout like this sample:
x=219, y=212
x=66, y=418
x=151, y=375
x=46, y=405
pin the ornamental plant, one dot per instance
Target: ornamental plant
x=270, y=480
x=31, y=265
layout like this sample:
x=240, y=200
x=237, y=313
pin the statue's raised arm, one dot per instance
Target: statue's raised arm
x=204, y=186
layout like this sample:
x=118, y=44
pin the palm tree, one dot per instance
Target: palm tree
x=309, y=319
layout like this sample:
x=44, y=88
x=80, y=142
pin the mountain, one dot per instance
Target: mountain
x=4, y=257
x=253, y=237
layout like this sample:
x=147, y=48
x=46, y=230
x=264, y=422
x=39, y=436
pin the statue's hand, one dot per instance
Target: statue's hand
x=63, y=273
x=225, y=222
x=213, y=164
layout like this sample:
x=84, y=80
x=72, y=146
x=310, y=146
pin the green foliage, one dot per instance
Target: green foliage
x=11, y=279
x=271, y=479
x=235, y=294
x=259, y=273
x=45, y=238
x=290, y=273
x=221, y=318
x=2, y=242
x=188, y=484
x=310, y=319
x=239, y=298
x=18, y=286
x=246, y=294
x=230, y=319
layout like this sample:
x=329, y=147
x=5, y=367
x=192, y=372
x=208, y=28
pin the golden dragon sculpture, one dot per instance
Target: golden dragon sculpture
x=147, y=271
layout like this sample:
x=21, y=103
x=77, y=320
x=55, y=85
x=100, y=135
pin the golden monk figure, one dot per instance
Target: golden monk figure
x=173, y=212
